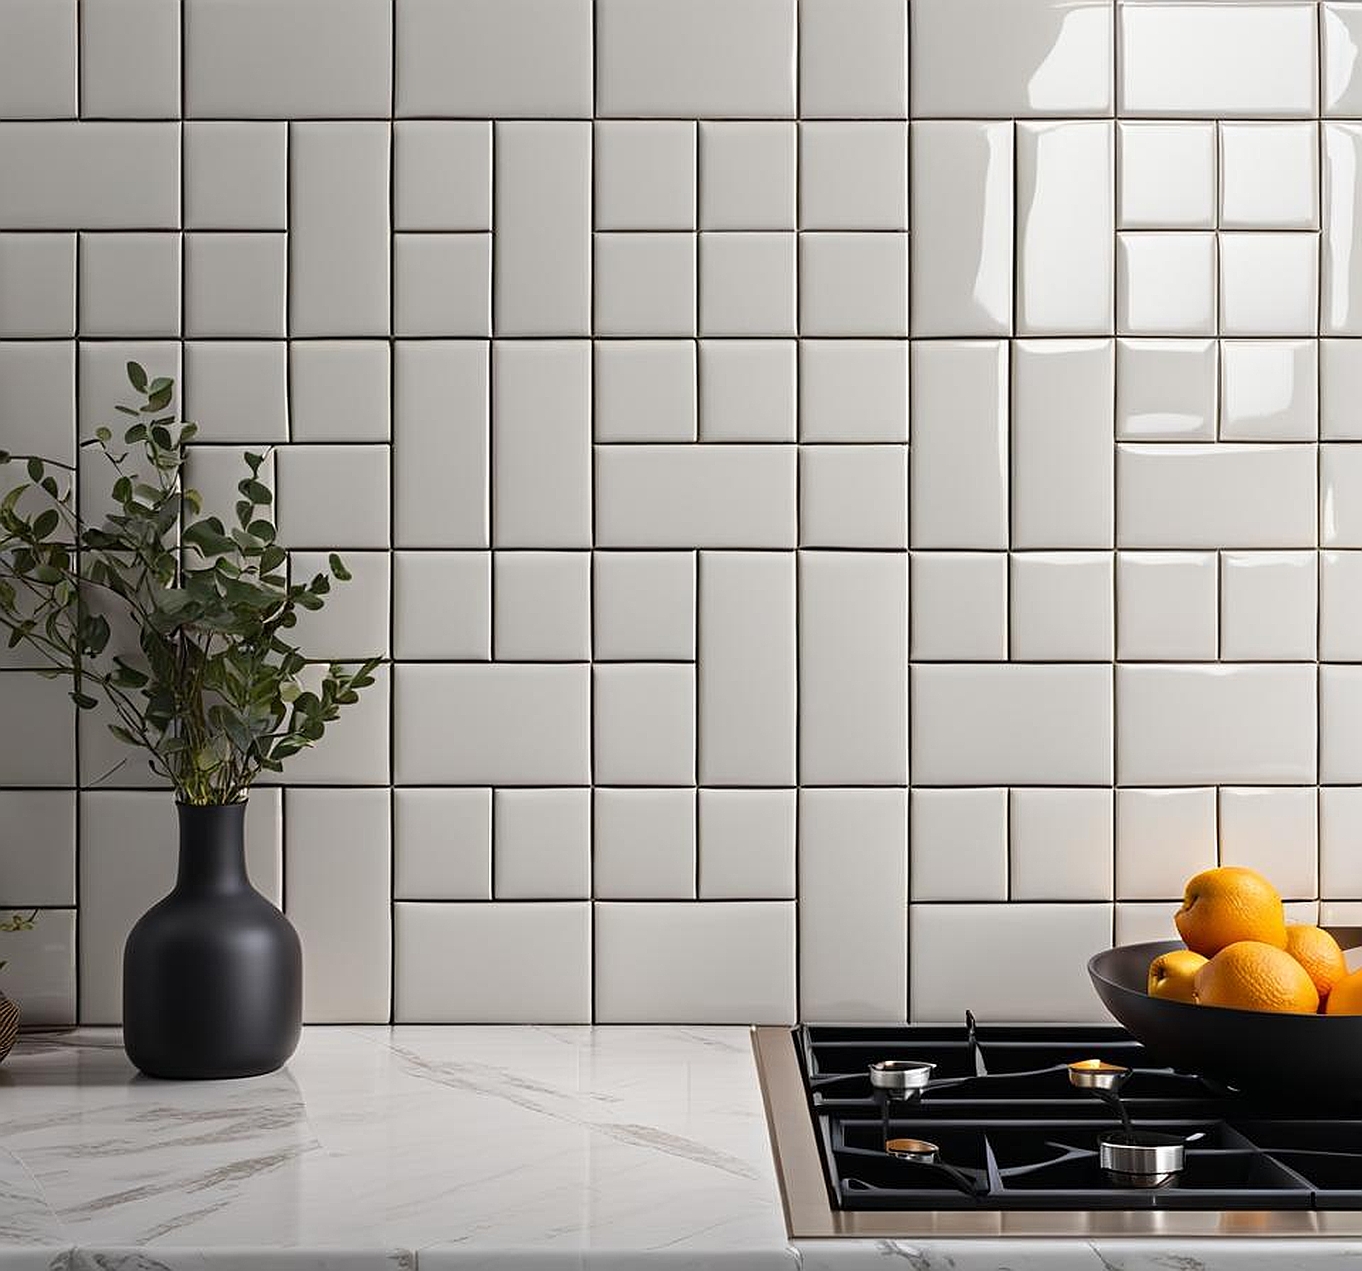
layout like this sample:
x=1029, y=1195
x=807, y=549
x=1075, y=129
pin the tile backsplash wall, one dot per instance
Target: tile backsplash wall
x=861, y=499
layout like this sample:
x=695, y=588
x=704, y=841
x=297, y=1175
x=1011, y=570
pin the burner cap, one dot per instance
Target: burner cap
x=1141, y=1158
x=1096, y=1074
x=901, y=1076
x=919, y=1150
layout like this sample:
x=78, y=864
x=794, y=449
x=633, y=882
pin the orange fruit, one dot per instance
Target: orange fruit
x=1345, y=998
x=1172, y=975
x=1222, y=906
x=1318, y=952
x=1254, y=976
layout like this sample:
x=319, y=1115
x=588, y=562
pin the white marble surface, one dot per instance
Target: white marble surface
x=512, y=1149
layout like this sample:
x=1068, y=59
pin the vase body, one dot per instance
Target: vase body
x=213, y=973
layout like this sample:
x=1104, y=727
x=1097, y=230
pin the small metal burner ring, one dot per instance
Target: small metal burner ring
x=919, y=1150
x=901, y=1078
x=1097, y=1074
x=1141, y=1158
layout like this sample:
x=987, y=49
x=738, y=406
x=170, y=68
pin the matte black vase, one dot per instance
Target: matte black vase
x=212, y=974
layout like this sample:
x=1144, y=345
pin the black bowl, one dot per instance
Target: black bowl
x=1318, y=1056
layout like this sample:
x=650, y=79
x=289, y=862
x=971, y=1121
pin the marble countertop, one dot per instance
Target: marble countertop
x=452, y=1148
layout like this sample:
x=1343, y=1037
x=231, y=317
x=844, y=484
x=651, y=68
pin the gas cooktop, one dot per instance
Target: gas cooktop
x=918, y=1128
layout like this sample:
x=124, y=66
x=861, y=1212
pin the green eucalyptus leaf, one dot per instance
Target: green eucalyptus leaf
x=137, y=377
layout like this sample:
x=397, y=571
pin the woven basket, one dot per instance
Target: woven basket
x=9, y=1025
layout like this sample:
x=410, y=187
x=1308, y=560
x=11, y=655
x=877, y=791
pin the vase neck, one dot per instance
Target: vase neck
x=212, y=848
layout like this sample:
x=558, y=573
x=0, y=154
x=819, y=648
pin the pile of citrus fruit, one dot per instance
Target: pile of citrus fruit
x=1242, y=952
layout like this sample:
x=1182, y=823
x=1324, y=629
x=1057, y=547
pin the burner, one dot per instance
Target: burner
x=1141, y=1158
x=919, y=1150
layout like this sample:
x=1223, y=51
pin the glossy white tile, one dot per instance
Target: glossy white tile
x=1166, y=284
x=333, y=496
x=1269, y=284
x=1060, y=845
x=354, y=622
x=44, y=752
x=38, y=399
x=747, y=175
x=958, y=845
x=235, y=286
x=747, y=679
x=746, y=844
x=1340, y=383
x=1060, y=607
x=1168, y=176
x=644, y=284
x=643, y=725
x=1163, y=837
x=130, y=285
x=747, y=284
x=644, y=175
x=643, y=845
x=442, y=844
x=38, y=847
x=853, y=59
x=962, y=240
x=1269, y=176
x=1341, y=243
x=1196, y=725
x=235, y=175
x=117, y=34
x=358, y=745
x=1167, y=390
x=40, y=968
x=853, y=911
x=1340, y=34
x=1269, y=390
x=748, y=390
x=1167, y=606
x=853, y=496
x=442, y=285
x=442, y=605
x=1273, y=830
x=1340, y=724
x=1340, y=606
x=1340, y=822
x=853, y=284
x=235, y=390
x=38, y=59
x=442, y=174
x=853, y=390
x=541, y=606
x=959, y=606
x=1340, y=495
x=39, y=293
x=643, y=606
x=543, y=844
x=644, y=390
x=853, y=668
x=853, y=176
x=340, y=390
x=1268, y=606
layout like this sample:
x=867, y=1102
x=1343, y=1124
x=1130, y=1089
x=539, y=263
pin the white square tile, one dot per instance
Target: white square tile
x=1187, y=495
x=747, y=390
x=37, y=285
x=333, y=496
x=40, y=968
x=542, y=606
x=1060, y=605
x=442, y=605
x=1229, y=724
x=534, y=961
x=853, y=668
x=722, y=963
x=442, y=174
x=340, y=390
x=44, y=820
x=492, y=725
x=357, y=746
x=235, y=175
x=853, y=910
x=494, y=58
x=255, y=59
x=1269, y=176
x=644, y=724
x=121, y=33
x=853, y=390
x=1061, y=488
x=958, y=841
x=643, y=845
x=1163, y=837
x=1340, y=483
x=695, y=58
x=853, y=284
x=747, y=175
x=542, y=213
x=1340, y=606
x=441, y=395
x=1168, y=175
x=1137, y=923
x=1012, y=725
x=962, y=221
x=1341, y=30
x=442, y=284
x=1267, y=606
x=213, y=472
x=1269, y=284
x=442, y=844
x=1166, y=390
x=643, y=606
x=644, y=390
x=541, y=424
x=1340, y=724
x=543, y=844
x=1049, y=984
x=38, y=400
x=130, y=286
x=985, y=57
x=353, y=622
x=747, y=678
x=853, y=496
x=43, y=753
x=853, y=176
x=853, y=59
x=1340, y=385
x=103, y=370
x=747, y=844
x=337, y=874
x=1167, y=605
x=645, y=174
x=340, y=241
x=1340, y=261
x=959, y=412
x=1274, y=831
x=38, y=59
x=235, y=285
x=1061, y=845
x=1212, y=59
x=645, y=284
x=1066, y=216
x=1166, y=284
x=1340, y=822
x=237, y=391
x=731, y=496
x=747, y=284
x=959, y=606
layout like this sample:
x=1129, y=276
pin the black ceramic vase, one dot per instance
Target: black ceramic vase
x=212, y=974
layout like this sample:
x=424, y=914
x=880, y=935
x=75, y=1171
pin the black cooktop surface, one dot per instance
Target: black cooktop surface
x=1012, y=1132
